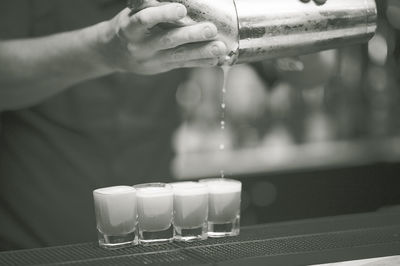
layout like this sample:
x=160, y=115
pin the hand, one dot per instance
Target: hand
x=138, y=44
x=318, y=2
x=393, y=13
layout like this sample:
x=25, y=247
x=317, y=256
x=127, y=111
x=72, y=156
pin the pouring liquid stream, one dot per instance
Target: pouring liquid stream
x=225, y=69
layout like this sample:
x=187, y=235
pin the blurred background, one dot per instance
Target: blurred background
x=311, y=136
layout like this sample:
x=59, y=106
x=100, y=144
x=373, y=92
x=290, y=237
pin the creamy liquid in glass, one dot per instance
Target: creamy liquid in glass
x=224, y=200
x=190, y=204
x=155, y=208
x=115, y=209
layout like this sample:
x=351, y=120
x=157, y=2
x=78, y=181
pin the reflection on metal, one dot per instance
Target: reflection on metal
x=255, y=30
x=275, y=28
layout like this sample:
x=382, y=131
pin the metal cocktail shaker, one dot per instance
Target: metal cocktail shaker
x=255, y=30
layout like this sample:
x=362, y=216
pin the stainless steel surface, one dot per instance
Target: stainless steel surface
x=255, y=30
x=277, y=28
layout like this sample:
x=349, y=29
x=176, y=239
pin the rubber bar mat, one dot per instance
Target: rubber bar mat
x=255, y=246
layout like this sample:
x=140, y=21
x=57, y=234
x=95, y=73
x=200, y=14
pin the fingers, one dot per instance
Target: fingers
x=135, y=27
x=195, y=63
x=189, y=34
x=318, y=2
x=155, y=50
x=292, y=64
x=151, y=16
x=209, y=62
x=194, y=52
x=187, y=43
x=192, y=55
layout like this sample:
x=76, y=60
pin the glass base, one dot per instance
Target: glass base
x=224, y=229
x=158, y=237
x=117, y=242
x=193, y=234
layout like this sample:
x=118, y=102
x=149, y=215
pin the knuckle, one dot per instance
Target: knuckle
x=166, y=40
x=141, y=19
x=122, y=28
x=178, y=53
x=182, y=37
x=173, y=38
x=123, y=23
x=133, y=49
x=190, y=36
x=138, y=52
x=122, y=34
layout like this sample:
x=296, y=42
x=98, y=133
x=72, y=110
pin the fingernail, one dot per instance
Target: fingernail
x=216, y=50
x=209, y=32
x=180, y=11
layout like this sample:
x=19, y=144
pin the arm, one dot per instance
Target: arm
x=32, y=70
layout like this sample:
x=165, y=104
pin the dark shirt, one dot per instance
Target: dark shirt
x=114, y=130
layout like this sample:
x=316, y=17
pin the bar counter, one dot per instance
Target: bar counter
x=305, y=242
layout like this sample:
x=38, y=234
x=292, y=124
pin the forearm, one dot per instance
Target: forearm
x=33, y=70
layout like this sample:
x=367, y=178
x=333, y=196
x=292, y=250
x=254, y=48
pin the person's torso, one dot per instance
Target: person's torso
x=115, y=130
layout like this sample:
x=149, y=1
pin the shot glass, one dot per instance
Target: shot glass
x=155, y=213
x=223, y=206
x=116, y=216
x=190, y=211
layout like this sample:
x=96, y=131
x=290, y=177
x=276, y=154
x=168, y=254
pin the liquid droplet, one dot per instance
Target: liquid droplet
x=222, y=174
x=222, y=147
x=223, y=106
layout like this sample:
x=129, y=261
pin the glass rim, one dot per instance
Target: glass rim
x=114, y=190
x=154, y=189
x=219, y=179
x=222, y=185
x=194, y=183
x=184, y=187
x=153, y=184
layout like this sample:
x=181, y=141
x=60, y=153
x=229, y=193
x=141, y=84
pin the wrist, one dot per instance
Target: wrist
x=104, y=47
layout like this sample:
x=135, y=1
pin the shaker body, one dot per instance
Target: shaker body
x=277, y=28
x=255, y=30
